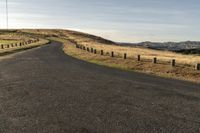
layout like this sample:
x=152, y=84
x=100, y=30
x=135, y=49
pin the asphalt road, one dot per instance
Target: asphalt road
x=43, y=90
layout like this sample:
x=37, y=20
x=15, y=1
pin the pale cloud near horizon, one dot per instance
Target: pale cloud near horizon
x=118, y=20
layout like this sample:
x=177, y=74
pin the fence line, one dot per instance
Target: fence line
x=18, y=44
x=112, y=54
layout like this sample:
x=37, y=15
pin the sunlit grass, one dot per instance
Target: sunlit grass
x=8, y=41
x=183, y=72
x=18, y=37
x=134, y=51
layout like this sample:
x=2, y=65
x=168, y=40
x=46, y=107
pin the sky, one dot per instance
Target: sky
x=117, y=20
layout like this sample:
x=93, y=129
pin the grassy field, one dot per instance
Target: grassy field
x=25, y=47
x=132, y=52
x=17, y=37
x=9, y=37
x=181, y=72
x=8, y=41
x=108, y=46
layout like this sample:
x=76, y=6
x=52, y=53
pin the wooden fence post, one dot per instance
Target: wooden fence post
x=198, y=66
x=125, y=55
x=92, y=50
x=101, y=52
x=154, y=60
x=112, y=54
x=138, y=58
x=88, y=49
x=173, y=63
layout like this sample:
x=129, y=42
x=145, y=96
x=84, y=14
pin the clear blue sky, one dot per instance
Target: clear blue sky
x=119, y=20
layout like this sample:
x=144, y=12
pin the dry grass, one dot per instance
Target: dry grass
x=24, y=47
x=134, y=51
x=8, y=41
x=184, y=69
x=14, y=36
x=17, y=37
x=146, y=66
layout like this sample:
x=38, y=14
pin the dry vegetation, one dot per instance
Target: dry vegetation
x=9, y=37
x=8, y=41
x=14, y=36
x=184, y=70
x=134, y=51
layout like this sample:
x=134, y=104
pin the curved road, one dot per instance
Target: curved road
x=45, y=91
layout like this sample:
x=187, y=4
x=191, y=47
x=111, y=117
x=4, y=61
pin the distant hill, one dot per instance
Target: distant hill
x=95, y=38
x=170, y=46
